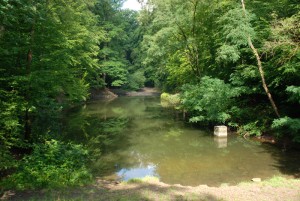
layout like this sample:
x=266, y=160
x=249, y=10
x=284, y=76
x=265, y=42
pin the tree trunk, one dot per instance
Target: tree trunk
x=260, y=68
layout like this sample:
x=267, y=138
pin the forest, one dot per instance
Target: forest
x=231, y=62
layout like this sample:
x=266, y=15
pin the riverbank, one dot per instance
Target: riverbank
x=276, y=188
x=145, y=91
x=98, y=94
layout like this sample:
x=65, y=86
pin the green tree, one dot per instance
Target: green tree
x=116, y=58
x=182, y=43
x=47, y=49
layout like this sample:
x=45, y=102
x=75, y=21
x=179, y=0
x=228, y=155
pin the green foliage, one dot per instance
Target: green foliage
x=178, y=70
x=7, y=161
x=287, y=126
x=250, y=129
x=209, y=101
x=177, y=45
x=236, y=27
x=120, y=40
x=117, y=74
x=10, y=128
x=51, y=165
x=294, y=93
x=228, y=53
x=47, y=51
x=136, y=80
x=283, y=47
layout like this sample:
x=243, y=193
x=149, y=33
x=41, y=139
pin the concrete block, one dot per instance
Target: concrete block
x=256, y=179
x=220, y=131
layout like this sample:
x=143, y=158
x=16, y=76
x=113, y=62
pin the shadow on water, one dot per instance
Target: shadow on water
x=287, y=162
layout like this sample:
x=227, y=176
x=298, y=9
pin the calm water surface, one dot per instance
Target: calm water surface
x=135, y=137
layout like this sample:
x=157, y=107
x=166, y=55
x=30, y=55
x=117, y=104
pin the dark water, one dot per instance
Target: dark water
x=135, y=137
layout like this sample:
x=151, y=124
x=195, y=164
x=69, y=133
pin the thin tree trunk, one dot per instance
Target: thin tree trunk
x=260, y=68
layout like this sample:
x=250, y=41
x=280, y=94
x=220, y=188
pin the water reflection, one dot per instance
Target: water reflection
x=134, y=137
x=221, y=142
x=137, y=172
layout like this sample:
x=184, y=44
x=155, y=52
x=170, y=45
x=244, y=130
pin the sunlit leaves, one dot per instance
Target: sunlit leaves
x=228, y=53
x=294, y=92
x=237, y=28
x=282, y=48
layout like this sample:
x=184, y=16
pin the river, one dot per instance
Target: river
x=132, y=137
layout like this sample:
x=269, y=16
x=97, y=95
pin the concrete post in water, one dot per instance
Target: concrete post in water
x=220, y=131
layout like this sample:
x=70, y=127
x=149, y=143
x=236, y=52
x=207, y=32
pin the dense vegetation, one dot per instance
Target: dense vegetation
x=51, y=54
x=233, y=62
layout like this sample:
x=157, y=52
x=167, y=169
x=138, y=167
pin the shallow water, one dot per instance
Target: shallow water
x=135, y=137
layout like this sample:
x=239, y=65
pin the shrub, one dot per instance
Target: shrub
x=169, y=100
x=251, y=128
x=51, y=165
x=287, y=126
x=209, y=101
x=136, y=80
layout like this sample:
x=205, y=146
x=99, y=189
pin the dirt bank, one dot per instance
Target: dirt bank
x=109, y=94
x=151, y=189
x=97, y=94
x=146, y=91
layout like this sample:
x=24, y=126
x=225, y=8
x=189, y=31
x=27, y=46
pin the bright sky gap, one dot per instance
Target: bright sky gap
x=132, y=5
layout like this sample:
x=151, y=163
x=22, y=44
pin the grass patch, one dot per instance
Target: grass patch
x=147, y=179
x=133, y=181
x=276, y=181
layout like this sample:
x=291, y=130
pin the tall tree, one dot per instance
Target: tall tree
x=115, y=50
x=260, y=68
x=182, y=41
